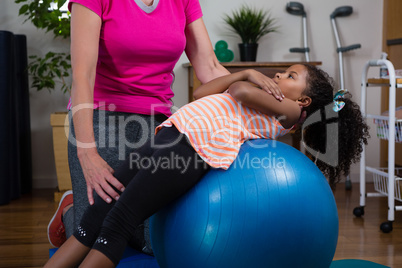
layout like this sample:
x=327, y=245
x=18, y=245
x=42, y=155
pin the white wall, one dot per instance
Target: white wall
x=364, y=26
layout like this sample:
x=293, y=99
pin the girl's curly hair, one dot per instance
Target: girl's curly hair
x=334, y=140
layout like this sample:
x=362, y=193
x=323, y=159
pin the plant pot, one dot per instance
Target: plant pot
x=248, y=52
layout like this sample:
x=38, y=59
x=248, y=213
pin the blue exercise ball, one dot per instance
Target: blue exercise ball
x=272, y=208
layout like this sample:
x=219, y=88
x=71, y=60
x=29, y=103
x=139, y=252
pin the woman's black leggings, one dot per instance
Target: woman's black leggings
x=155, y=174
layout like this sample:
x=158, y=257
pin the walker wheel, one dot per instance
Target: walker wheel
x=358, y=211
x=386, y=227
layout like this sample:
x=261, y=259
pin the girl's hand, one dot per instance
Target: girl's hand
x=98, y=176
x=265, y=83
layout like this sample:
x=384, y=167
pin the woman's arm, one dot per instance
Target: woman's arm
x=85, y=30
x=201, y=54
x=287, y=111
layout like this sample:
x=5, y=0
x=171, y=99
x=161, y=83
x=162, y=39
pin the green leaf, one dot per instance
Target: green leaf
x=50, y=83
x=38, y=12
x=32, y=68
x=41, y=70
x=60, y=3
x=49, y=55
x=23, y=9
x=58, y=73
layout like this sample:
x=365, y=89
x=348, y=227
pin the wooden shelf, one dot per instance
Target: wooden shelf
x=382, y=80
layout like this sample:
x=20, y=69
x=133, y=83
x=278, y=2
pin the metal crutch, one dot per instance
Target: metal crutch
x=342, y=11
x=296, y=8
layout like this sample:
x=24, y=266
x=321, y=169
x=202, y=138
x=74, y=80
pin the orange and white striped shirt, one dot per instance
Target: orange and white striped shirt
x=217, y=125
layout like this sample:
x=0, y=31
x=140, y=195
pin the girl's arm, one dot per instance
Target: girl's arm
x=287, y=111
x=222, y=83
x=85, y=30
x=219, y=85
x=206, y=66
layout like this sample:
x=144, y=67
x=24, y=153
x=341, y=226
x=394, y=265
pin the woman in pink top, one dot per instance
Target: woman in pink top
x=208, y=133
x=123, y=54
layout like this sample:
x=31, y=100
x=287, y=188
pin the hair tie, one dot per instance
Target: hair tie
x=338, y=105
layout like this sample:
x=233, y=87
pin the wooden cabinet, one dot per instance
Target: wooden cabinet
x=267, y=68
x=392, y=44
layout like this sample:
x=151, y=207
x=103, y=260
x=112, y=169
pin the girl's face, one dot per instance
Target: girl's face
x=292, y=82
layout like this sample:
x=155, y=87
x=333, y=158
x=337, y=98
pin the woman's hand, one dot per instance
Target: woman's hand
x=98, y=176
x=265, y=83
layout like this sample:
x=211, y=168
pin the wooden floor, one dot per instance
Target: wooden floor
x=23, y=223
x=361, y=238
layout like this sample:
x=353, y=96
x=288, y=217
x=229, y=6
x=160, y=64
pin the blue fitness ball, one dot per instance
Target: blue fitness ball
x=272, y=208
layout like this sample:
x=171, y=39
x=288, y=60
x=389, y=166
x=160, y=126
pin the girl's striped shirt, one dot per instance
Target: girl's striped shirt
x=217, y=125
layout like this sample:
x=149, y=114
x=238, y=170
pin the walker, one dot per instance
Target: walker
x=387, y=180
x=342, y=11
x=296, y=8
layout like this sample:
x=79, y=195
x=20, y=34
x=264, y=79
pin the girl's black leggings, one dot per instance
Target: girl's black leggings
x=155, y=174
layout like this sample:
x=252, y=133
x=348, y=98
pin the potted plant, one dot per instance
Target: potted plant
x=54, y=67
x=250, y=24
x=50, y=72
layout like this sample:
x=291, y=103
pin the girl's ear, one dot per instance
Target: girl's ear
x=304, y=101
